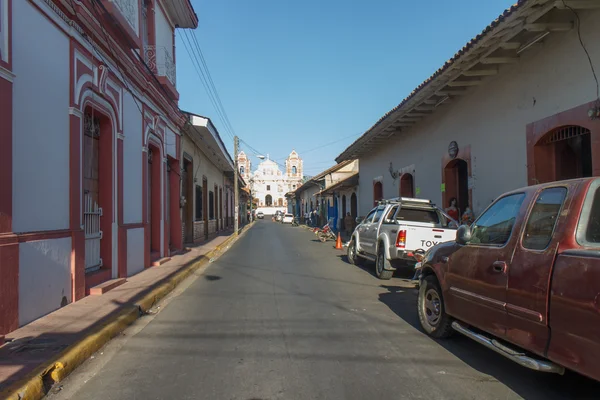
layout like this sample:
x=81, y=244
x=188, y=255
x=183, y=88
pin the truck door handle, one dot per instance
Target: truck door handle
x=499, y=266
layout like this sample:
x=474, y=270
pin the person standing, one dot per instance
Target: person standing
x=452, y=210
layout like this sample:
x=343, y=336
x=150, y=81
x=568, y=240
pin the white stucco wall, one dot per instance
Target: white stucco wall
x=135, y=251
x=41, y=122
x=164, y=32
x=44, y=277
x=171, y=143
x=132, y=160
x=492, y=119
x=204, y=167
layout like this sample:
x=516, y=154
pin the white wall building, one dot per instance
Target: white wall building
x=511, y=109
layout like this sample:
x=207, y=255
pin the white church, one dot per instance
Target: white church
x=268, y=183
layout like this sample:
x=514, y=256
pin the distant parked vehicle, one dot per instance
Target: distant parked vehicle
x=524, y=279
x=395, y=230
x=260, y=215
x=287, y=219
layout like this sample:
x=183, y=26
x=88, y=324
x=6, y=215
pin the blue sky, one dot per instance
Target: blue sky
x=302, y=74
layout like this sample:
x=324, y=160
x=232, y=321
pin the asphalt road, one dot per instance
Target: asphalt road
x=283, y=316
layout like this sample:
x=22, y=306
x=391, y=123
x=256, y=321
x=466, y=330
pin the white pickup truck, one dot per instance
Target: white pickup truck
x=397, y=228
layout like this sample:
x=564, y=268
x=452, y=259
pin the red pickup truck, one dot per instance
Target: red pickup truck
x=523, y=279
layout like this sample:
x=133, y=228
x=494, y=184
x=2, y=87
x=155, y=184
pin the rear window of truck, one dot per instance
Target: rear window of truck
x=588, y=230
x=426, y=216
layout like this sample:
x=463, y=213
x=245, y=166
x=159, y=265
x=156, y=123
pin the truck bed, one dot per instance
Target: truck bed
x=575, y=312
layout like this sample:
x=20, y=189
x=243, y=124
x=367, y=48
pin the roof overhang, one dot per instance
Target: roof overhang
x=206, y=138
x=348, y=183
x=181, y=13
x=518, y=29
x=331, y=170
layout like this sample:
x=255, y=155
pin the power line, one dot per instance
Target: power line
x=324, y=145
x=211, y=82
x=203, y=79
x=258, y=153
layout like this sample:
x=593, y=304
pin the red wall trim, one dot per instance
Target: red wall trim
x=133, y=68
x=6, y=160
x=32, y=236
x=464, y=153
x=9, y=288
x=133, y=225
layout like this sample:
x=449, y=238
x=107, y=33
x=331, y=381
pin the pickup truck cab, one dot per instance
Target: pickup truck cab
x=396, y=229
x=524, y=278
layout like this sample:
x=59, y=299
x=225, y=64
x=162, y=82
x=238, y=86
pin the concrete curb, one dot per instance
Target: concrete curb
x=40, y=381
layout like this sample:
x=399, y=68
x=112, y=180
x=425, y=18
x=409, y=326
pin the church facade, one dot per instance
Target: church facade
x=268, y=182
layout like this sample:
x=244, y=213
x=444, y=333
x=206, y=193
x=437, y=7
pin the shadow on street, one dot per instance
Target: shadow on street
x=527, y=383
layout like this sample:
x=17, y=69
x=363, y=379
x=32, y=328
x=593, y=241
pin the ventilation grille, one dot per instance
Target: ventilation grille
x=565, y=133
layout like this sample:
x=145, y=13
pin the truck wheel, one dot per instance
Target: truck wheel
x=381, y=263
x=432, y=313
x=353, y=258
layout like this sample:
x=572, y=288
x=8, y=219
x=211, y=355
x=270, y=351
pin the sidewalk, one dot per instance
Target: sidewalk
x=50, y=347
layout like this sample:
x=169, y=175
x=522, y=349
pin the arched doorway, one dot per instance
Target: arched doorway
x=457, y=184
x=187, y=183
x=377, y=192
x=563, y=153
x=280, y=202
x=407, y=186
x=154, y=199
x=268, y=200
x=353, y=205
x=97, y=177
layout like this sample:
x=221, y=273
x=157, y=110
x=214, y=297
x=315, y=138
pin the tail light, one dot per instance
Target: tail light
x=401, y=239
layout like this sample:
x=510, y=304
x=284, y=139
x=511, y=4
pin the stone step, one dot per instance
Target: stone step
x=106, y=286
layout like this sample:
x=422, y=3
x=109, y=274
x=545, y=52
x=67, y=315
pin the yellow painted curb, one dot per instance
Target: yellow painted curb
x=33, y=387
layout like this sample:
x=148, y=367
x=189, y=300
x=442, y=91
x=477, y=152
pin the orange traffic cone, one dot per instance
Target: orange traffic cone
x=338, y=242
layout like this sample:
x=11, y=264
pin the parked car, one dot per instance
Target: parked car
x=394, y=230
x=287, y=219
x=260, y=215
x=524, y=278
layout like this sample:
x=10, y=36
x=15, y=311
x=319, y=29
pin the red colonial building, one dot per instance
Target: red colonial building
x=89, y=146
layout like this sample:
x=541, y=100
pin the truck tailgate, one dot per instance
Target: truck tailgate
x=423, y=237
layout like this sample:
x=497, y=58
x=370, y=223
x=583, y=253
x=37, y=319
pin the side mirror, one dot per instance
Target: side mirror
x=359, y=220
x=463, y=235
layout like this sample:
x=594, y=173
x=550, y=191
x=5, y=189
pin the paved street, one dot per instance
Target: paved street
x=283, y=316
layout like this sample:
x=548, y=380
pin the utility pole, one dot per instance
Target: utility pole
x=236, y=187
x=250, y=185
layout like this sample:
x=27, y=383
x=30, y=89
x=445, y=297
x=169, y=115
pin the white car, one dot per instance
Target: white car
x=287, y=219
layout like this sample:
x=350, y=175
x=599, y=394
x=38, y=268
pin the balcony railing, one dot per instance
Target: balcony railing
x=160, y=61
x=129, y=9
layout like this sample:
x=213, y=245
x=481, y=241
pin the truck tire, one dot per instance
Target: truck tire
x=432, y=312
x=353, y=257
x=381, y=263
